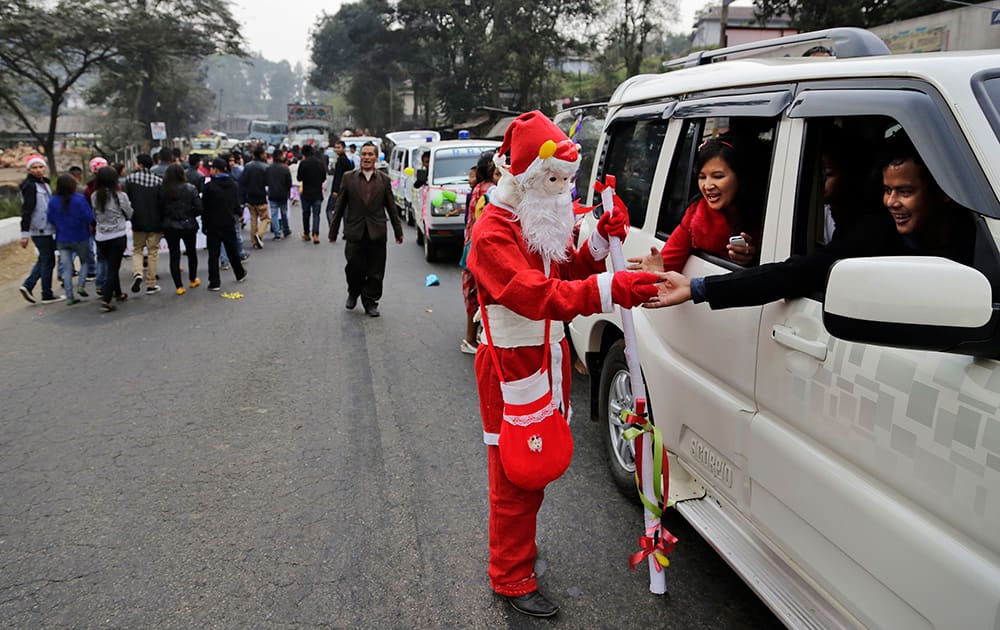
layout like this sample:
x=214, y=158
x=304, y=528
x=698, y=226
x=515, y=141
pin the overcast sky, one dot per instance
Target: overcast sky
x=280, y=30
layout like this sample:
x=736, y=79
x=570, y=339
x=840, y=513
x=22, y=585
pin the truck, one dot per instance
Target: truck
x=309, y=123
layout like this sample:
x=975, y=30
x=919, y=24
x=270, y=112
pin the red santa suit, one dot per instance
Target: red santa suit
x=530, y=280
x=518, y=297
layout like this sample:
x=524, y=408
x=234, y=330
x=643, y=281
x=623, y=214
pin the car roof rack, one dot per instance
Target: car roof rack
x=847, y=42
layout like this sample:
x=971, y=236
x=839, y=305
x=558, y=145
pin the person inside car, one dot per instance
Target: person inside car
x=723, y=212
x=920, y=220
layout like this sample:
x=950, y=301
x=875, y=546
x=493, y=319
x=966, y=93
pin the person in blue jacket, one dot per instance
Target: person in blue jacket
x=73, y=219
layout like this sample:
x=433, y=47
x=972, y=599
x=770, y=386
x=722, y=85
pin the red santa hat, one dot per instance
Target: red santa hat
x=535, y=142
x=34, y=159
x=97, y=163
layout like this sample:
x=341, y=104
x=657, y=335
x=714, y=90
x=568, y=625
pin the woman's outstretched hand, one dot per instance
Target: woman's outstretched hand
x=653, y=262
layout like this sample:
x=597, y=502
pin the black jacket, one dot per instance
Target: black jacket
x=180, y=213
x=143, y=190
x=221, y=205
x=800, y=276
x=195, y=178
x=279, y=182
x=341, y=166
x=252, y=181
x=312, y=174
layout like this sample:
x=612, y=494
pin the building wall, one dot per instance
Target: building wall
x=969, y=28
x=736, y=36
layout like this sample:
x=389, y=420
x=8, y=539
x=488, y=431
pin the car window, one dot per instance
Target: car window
x=451, y=164
x=680, y=184
x=583, y=125
x=840, y=180
x=633, y=147
x=752, y=140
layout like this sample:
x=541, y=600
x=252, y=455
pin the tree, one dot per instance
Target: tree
x=811, y=15
x=636, y=20
x=50, y=47
x=354, y=48
x=530, y=38
x=157, y=68
x=458, y=54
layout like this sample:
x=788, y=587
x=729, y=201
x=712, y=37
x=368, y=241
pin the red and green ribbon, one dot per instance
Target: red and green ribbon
x=657, y=540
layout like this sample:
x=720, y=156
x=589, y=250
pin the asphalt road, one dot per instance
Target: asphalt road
x=277, y=461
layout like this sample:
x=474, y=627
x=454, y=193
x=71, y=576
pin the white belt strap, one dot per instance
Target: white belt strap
x=511, y=330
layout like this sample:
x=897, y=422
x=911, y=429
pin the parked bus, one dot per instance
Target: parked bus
x=270, y=131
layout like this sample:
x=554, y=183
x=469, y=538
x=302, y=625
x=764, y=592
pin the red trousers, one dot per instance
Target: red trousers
x=513, y=510
x=512, y=531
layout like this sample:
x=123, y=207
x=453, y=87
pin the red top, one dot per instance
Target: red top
x=701, y=228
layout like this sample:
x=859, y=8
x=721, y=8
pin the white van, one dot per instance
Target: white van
x=440, y=219
x=404, y=160
x=359, y=141
x=841, y=450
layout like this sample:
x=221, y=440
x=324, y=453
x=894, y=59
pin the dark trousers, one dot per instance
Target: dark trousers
x=310, y=210
x=216, y=241
x=44, y=265
x=365, y=269
x=174, y=238
x=331, y=205
x=112, y=252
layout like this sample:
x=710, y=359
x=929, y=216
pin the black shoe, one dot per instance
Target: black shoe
x=214, y=288
x=136, y=281
x=533, y=604
x=352, y=301
x=372, y=311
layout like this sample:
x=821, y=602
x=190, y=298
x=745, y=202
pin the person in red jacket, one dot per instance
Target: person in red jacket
x=724, y=210
x=530, y=279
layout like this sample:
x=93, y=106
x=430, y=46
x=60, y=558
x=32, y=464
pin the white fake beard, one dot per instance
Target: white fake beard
x=547, y=223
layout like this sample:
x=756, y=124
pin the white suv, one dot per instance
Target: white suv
x=851, y=483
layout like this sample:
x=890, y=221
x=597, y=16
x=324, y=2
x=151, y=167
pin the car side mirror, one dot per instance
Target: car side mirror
x=919, y=302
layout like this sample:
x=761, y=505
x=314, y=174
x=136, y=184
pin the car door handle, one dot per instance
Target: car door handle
x=788, y=336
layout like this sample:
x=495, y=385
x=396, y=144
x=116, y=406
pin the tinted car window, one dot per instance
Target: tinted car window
x=633, y=149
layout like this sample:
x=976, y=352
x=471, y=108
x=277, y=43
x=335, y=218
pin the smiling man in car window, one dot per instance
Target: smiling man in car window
x=921, y=220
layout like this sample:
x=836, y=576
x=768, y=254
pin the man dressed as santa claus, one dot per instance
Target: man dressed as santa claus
x=530, y=280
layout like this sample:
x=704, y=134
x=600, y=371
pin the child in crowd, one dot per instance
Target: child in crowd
x=72, y=217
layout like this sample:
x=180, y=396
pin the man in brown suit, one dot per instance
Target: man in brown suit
x=366, y=197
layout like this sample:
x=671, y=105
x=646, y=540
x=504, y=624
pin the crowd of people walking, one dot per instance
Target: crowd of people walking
x=85, y=229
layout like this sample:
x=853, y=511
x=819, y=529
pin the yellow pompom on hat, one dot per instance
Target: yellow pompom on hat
x=532, y=139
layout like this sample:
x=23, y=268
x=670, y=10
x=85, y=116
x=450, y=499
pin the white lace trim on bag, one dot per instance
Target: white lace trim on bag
x=531, y=418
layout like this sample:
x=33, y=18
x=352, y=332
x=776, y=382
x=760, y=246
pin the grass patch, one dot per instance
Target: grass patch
x=10, y=207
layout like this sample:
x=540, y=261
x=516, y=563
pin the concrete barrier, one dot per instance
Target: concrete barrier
x=10, y=230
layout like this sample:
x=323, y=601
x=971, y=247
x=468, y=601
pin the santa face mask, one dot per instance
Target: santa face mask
x=556, y=185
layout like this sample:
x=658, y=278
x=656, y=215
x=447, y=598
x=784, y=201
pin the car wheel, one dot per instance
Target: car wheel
x=420, y=236
x=616, y=395
x=410, y=219
x=430, y=250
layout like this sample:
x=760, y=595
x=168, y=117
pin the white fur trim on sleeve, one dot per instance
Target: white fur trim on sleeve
x=604, y=286
x=599, y=246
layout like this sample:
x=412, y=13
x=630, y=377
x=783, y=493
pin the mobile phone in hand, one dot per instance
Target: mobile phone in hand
x=738, y=240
